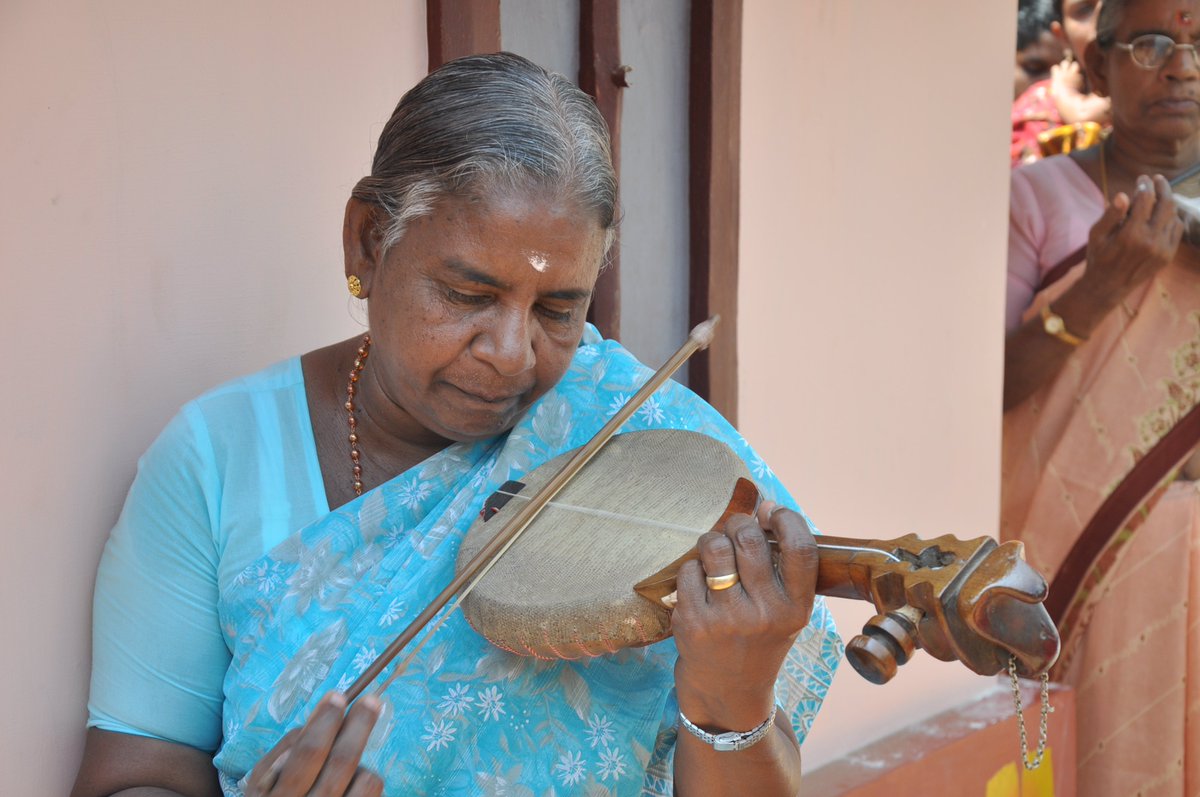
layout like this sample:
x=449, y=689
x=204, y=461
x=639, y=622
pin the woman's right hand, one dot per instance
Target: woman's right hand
x=1133, y=240
x=321, y=758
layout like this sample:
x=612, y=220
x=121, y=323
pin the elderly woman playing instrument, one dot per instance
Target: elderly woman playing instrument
x=1102, y=368
x=285, y=525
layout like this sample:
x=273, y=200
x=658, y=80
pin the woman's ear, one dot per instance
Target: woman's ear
x=1095, y=65
x=360, y=244
x=1056, y=30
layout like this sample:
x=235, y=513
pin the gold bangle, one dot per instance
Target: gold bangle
x=1054, y=325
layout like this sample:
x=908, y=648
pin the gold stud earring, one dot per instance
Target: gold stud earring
x=354, y=285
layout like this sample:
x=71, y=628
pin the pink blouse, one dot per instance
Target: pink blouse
x=1052, y=207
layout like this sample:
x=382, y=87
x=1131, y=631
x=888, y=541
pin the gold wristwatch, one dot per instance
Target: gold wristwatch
x=1055, y=326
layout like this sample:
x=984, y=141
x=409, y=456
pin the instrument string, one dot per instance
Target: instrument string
x=660, y=524
x=605, y=514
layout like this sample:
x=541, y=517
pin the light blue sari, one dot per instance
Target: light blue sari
x=467, y=718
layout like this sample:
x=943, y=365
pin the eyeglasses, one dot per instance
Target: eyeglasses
x=1153, y=50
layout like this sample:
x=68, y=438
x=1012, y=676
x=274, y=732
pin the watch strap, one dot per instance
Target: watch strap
x=730, y=741
x=1054, y=325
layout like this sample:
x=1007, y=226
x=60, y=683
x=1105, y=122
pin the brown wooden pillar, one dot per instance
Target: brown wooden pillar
x=714, y=120
x=461, y=27
x=602, y=75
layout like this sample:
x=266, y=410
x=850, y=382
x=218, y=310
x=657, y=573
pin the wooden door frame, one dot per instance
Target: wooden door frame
x=603, y=77
x=462, y=27
x=714, y=133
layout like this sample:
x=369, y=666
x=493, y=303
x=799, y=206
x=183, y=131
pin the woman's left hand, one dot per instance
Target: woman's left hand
x=733, y=641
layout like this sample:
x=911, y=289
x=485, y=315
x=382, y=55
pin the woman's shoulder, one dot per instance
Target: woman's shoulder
x=609, y=374
x=1052, y=206
x=283, y=376
x=266, y=408
x=1056, y=182
x=278, y=386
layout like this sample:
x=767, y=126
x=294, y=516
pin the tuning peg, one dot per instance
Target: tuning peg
x=887, y=641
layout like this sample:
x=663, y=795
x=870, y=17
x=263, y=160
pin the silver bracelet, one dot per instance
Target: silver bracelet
x=730, y=741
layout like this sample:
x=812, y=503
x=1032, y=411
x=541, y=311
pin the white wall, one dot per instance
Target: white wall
x=874, y=213
x=173, y=180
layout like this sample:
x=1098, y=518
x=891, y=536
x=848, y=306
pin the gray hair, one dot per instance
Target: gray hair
x=488, y=122
x=1112, y=13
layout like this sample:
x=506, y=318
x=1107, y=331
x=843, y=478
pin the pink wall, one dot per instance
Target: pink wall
x=174, y=176
x=874, y=215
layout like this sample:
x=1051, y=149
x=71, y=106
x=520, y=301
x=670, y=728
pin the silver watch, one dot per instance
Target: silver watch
x=730, y=741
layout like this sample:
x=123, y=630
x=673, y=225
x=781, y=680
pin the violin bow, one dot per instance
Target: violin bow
x=473, y=572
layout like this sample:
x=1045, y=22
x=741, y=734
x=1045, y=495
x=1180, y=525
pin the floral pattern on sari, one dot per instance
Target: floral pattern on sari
x=466, y=718
x=1181, y=392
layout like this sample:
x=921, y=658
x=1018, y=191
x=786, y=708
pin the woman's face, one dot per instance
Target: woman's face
x=1034, y=62
x=1078, y=27
x=476, y=312
x=1163, y=103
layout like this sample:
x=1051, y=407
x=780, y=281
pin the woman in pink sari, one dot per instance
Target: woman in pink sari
x=1100, y=365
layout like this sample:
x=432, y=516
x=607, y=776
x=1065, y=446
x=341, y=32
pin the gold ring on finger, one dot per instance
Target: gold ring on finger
x=718, y=583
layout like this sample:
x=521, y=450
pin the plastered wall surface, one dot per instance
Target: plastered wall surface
x=873, y=234
x=174, y=178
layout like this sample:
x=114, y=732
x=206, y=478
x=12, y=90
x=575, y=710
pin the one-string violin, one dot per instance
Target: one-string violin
x=470, y=574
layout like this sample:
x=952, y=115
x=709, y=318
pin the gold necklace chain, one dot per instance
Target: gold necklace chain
x=1104, y=168
x=1043, y=730
x=351, y=389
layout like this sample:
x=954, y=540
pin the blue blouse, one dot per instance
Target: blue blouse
x=232, y=475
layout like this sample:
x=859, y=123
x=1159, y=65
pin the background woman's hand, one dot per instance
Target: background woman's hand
x=1133, y=240
x=732, y=642
x=321, y=758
